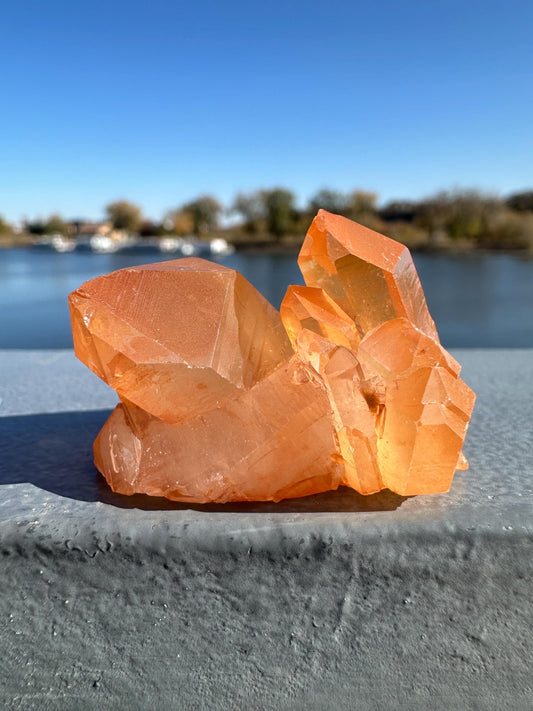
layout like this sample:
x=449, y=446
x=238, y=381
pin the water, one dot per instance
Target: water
x=478, y=300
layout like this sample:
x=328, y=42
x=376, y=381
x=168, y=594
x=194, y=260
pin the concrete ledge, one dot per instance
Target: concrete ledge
x=333, y=602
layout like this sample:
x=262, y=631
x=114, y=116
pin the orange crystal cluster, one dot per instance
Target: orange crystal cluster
x=223, y=398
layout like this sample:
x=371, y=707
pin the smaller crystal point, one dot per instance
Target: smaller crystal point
x=371, y=277
x=462, y=463
x=306, y=307
x=355, y=405
x=427, y=408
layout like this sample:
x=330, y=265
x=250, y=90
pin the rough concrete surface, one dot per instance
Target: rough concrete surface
x=337, y=601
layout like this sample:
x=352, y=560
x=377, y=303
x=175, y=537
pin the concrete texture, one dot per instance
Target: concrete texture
x=337, y=601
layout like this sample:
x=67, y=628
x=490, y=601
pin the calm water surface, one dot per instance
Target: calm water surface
x=479, y=300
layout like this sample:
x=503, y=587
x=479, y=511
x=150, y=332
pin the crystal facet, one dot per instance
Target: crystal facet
x=224, y=399
x=174, y=338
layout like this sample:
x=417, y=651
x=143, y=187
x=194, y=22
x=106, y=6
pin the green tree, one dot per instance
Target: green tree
x=5, y=227
x=362, y=202
x=403, y=210
x=461, y=214
x=280, y=211
x=251, y=207
x=508, y=229
x=178, y=222
x=330, y=200
x=124, y=215
x=205, y=214
x=55, y=225
x=521, y=202
x=36, y=227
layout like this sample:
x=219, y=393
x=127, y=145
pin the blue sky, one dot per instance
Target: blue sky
x=159, y=101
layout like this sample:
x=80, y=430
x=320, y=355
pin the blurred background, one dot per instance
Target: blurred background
x=136, y=131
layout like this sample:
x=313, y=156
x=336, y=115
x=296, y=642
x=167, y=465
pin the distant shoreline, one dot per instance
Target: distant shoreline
x=260, y=248
x=289, y=247
x=269, y=221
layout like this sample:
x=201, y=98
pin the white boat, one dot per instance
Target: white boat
x=103, y=244
x=62, y=244
x=189, y=248
x=170, y=244
x=219, y=247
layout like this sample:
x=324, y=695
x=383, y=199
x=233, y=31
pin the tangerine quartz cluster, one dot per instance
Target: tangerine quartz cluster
x=223, y=398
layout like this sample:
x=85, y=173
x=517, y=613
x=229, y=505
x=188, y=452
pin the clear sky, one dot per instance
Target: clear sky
x=161, y=100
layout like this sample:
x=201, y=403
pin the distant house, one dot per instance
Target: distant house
x=84, y=227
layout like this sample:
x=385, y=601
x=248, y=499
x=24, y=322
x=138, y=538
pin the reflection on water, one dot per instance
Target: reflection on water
x=479, y=300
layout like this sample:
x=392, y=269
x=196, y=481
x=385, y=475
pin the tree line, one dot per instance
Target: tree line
x=464, y=218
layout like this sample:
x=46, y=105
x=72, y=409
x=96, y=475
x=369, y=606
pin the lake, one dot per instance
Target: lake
x=477, y=300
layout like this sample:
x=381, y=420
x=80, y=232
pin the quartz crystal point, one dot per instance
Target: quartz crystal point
x=225, y=399
x=372, y=278
x=176, y=338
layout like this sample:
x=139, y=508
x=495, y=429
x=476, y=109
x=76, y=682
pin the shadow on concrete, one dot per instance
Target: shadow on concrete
x=54, y=452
